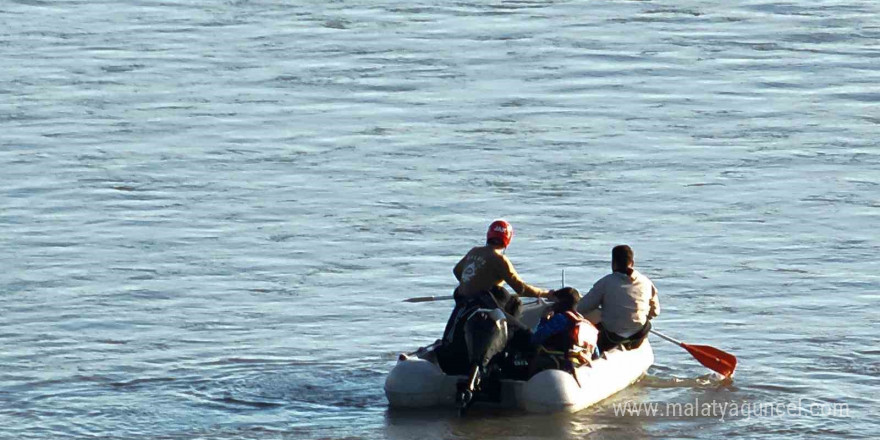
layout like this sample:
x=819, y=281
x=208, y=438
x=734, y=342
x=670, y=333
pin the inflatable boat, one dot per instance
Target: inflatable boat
x=418, y=382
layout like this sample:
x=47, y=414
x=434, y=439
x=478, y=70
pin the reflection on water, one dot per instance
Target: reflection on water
x=482, y=423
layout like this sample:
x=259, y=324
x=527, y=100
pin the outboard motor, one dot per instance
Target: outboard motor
x=485, y=333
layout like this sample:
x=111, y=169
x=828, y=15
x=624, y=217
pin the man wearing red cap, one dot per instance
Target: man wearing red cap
x=481, y=274
x=486, y=267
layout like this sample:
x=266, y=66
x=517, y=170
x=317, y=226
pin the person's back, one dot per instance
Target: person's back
x=627, y=299
x=484, y=268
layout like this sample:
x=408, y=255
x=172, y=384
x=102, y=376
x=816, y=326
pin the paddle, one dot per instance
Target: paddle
x=712, y=358
x=421, y=299
x=421, y=350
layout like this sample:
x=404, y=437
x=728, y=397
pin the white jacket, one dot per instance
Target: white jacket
x=626, y=301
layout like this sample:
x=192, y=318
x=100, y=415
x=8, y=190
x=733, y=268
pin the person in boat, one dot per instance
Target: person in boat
x=564, y=338
x=481, y=274
x=485, y=268
x=627, y=301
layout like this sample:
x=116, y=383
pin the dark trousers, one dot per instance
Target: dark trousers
x=609, y=340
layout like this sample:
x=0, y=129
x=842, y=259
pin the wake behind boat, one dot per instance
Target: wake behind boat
x=417, y=381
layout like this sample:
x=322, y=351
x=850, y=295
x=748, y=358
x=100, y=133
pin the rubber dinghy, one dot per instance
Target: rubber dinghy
x=418, y=382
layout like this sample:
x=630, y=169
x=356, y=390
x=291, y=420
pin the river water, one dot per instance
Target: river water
x=210, y=211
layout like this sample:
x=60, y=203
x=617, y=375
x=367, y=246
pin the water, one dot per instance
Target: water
x=210, y=211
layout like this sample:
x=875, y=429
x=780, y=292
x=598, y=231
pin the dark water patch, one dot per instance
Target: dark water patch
x=818, y=37
x=651, y=19
x=112, y=341
x=858, y=97
x=145, y=294
x=17, y=117
x=122, y=68
x=704, y=184
x=33, y=3
x=674, y=11
x=258, y=361
x=49, y=384
x=319, y=386
x=392, y=88
x=787, y=8
x=504, y=37
x=249, y=403
x=415, y=9
x=758, y=46
x=348, y=385
x=791, y=270
x=783, y=85
x=136, y=269
x=337, y=24
x=210, y=326
x=376, y=131
x=867, y=183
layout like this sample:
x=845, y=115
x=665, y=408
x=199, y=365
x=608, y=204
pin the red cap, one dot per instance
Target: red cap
x=501, y=230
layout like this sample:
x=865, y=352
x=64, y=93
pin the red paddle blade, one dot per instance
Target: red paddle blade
x=714, y=359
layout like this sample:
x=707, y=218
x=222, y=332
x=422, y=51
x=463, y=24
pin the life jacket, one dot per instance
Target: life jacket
x=576, y=345
x=584, y=334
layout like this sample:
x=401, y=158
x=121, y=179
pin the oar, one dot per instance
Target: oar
x=422, y=299
x=712, y=358
x=405, y=356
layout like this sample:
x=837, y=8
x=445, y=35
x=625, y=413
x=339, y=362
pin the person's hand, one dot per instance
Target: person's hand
x=550, y=295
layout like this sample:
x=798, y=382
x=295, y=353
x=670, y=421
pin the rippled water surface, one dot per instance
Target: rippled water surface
x=210, y=210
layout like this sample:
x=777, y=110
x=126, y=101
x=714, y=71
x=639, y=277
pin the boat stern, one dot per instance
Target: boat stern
x=415, y=383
